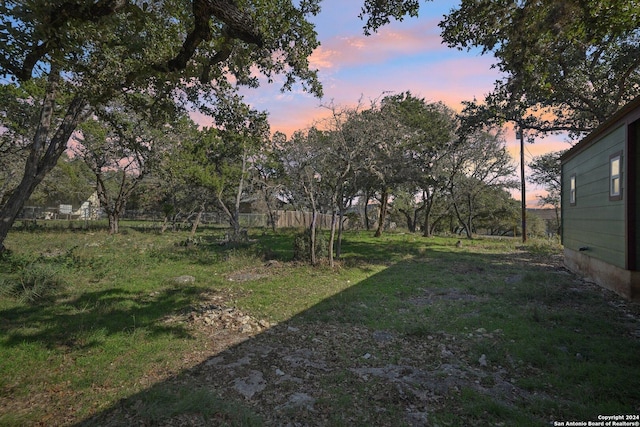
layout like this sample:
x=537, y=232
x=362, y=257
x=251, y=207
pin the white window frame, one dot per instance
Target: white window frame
x=572, y=190
x=615, y=178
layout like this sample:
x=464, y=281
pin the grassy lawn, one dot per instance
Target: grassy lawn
x=94, y=330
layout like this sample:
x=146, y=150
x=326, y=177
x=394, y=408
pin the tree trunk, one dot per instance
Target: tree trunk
x=233, y=220
x=411, y=225
x=272, y=215
x=416, y=213
x=332, y=236
x=312, y=230
x=433, y=225
x=426, y=227
x=469, y=226
x=114, y=208
x=462, y=222
x=236, y=207
x=233, y=212
x=109, y=208
x=114, y=222
x=383, y=213
x=196, y=223
x=43, y=154
x=367, y=225
x=340, y=230
x=314, y=216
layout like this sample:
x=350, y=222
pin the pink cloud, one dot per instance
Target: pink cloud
x=345, y=51
x=450, y=81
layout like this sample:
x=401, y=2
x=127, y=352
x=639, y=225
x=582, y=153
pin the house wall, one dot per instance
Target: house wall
x=633, y=232
x=595, y=222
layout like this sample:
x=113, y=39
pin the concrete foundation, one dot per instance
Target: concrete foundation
x=623, y=282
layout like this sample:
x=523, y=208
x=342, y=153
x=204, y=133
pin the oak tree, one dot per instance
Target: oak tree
x=546, y=172
x=567, y=65
x=121, y=147
x=184, y=54
x=479, y=164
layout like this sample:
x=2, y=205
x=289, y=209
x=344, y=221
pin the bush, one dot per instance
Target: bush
x=546, y=247
x=34, y=284
x=302, y=246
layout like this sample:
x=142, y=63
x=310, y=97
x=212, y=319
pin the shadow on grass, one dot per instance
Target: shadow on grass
x=70, y=323
x=452, y=338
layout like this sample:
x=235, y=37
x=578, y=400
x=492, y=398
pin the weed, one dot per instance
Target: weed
x=37, y=283
x=550, y=246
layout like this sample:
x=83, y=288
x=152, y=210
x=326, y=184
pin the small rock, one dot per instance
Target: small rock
x=250, y=385
x=483, y=360
x=300, y=400
x=183, y=280
x=279, y=372
x=214, y=361
x=444, y=352
x=481, y=330
x=264, y=324
x=292, y=329
x=367, y=356
x=383, y=337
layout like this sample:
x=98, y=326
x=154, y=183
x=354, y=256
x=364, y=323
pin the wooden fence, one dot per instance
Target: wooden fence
x=285, y=219
x=296, y=219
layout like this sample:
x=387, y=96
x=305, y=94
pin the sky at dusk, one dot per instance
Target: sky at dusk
x=407, y=55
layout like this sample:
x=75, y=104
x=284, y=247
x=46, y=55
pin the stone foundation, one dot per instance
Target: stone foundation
x=623, y=282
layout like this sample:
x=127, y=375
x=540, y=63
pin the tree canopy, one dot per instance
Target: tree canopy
x=111, y=44
x=158, y=57
x=568, y=65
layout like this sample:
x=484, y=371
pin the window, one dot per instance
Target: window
x=615, y=176
x=572, y=190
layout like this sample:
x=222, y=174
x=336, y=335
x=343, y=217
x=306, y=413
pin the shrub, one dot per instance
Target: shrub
x=302, y=246
x=34, y=284
x=545, y=247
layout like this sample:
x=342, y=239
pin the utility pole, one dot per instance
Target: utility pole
x=523, y=195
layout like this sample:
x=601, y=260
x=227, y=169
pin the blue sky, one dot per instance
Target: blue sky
x=402, y=56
